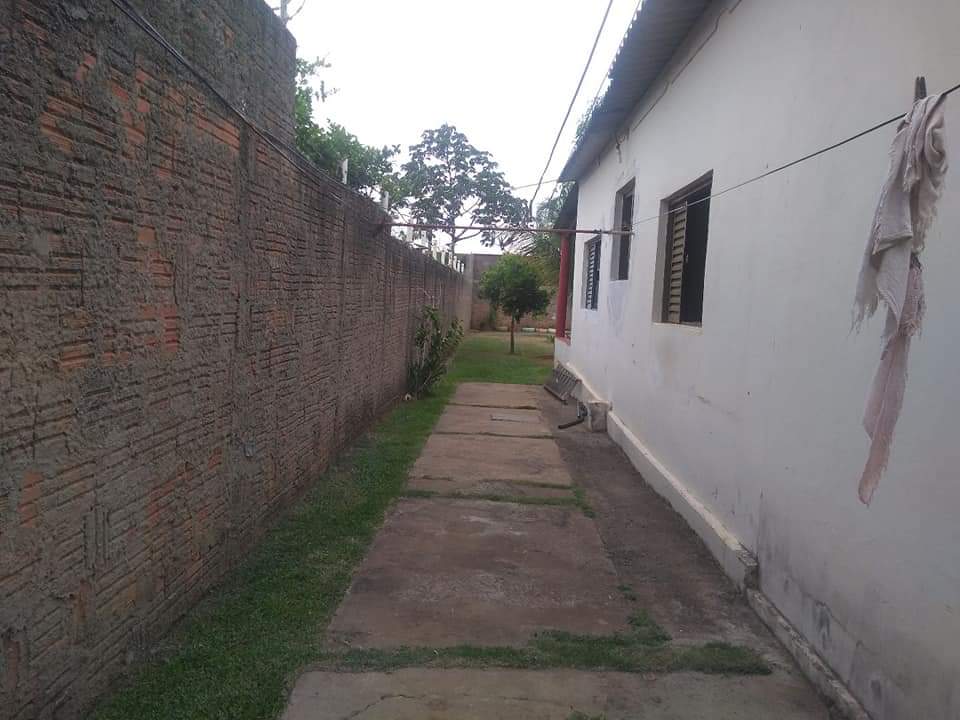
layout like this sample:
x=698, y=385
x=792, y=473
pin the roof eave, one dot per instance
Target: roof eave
x=656, y=33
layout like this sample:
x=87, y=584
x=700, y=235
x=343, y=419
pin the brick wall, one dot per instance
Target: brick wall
x=190, y=329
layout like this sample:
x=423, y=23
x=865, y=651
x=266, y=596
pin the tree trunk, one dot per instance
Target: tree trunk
x=512, y=323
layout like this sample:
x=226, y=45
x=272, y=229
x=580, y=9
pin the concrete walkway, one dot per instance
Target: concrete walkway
x=477, y=559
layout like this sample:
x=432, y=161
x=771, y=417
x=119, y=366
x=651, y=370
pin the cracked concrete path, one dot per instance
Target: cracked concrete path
x=448, y=572
x=476, y=458
x=450, y=569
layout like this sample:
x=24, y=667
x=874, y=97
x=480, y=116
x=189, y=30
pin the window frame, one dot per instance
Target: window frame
x=591, y=279
x=666, y=266
x=620, y=265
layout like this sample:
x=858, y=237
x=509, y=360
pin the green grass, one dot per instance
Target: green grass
x=645, y=648
x=235, y=653
x=627, y=592
x=484, y=357
x=575, y=500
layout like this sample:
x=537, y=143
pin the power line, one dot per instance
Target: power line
x=291, y=155
x=513, y=229
x=737, y=186
x=596, y=95
x=785, y=166
x=315, y=174
x=576, y=92
x=543, y=182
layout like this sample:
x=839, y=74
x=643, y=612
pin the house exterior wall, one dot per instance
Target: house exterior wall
x=757, y=413
x=190, y=327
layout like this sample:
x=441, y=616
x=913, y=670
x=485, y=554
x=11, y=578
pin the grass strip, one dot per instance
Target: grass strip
x=645, y=648
x=483, y=357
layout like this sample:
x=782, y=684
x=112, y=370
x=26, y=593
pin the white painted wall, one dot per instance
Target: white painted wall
x=758, y=413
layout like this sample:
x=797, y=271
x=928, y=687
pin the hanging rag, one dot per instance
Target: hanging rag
x=892, y=272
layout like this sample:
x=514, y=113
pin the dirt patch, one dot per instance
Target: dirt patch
x=663, y=565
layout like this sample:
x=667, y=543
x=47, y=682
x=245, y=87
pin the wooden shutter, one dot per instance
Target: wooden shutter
x=593, y=273
x=673, y=286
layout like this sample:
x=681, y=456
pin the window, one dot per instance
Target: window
x=621, y=243
x=685, y=258
x=591, y=280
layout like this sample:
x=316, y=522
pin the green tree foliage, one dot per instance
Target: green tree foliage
x=448, y=179
x=543, y=248
x=433, y=348
x=514, y=286
x=370, y=168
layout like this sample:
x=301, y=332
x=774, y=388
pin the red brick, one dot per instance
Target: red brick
x=30, y=495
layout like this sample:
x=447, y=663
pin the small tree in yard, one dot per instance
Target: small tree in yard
x=514, y=287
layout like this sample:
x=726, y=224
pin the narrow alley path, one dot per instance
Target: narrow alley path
x=523, y=573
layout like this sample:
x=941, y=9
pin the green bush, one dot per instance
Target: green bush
x=433, y=348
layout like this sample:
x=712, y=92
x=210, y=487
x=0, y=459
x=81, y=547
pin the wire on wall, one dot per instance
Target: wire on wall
x=293, y=156
x=792, y=163
x=288, y=153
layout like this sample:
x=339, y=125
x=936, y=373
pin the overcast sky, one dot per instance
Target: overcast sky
x=502, y=71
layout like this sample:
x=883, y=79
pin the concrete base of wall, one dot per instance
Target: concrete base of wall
x=841, y=701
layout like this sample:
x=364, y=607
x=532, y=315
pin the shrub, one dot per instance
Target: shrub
x=433, y=348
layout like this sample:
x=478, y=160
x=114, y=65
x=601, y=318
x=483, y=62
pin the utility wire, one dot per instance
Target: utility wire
x=785, y=166
x=291, y=155
x=542, y=182
x=596, y=95
x=576, y=92
x=742, y=184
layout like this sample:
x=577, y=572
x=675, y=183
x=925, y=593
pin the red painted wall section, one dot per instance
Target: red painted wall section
x=190, y=328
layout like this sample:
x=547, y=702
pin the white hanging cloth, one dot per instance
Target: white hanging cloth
x=891, y=270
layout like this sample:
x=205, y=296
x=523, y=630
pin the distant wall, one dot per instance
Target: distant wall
x=190, y=329
x=480, y=315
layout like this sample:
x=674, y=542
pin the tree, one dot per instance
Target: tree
x=369, y=168
x=514, y=287
x=286, y=15
x=447, y=179
x=543, y=248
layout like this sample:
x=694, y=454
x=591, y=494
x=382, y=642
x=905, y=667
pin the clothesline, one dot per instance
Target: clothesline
x=296, y=160
x=785, y=166
x=651, y=218
x=505, y=229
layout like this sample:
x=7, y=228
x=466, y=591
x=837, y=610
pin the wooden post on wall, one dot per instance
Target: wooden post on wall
x=562, y=285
